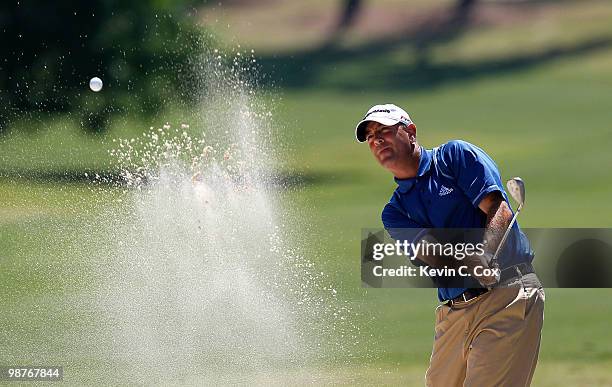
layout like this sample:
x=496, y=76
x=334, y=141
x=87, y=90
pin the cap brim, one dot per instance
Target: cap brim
x=360, y=128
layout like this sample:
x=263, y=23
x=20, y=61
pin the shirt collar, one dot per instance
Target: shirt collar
x=424, y=162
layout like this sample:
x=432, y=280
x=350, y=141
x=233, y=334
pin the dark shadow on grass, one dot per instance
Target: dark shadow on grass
x=374, y=70
x=301, y=179
x=64, y=176
x=280, y=180
x=302, y=70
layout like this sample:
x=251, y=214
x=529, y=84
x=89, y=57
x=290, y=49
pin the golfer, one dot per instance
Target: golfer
x=485, y=335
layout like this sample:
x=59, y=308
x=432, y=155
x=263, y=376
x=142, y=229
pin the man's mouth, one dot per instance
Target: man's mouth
x=378, y=152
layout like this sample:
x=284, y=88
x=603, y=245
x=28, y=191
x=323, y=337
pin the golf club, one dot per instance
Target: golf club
x=516, y=187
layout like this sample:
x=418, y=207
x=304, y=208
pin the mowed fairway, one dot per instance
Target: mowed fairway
x=550, y=124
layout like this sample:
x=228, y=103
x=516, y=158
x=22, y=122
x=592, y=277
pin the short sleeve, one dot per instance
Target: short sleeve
x=474, y=172
x=399, y=225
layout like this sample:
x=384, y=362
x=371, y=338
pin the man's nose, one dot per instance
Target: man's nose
x=378, y=141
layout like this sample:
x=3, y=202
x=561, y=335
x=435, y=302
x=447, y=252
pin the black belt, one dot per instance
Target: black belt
x=515, y=271
x=469, y=294
x=506, y=274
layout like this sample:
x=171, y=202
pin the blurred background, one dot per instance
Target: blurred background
x=529, y=81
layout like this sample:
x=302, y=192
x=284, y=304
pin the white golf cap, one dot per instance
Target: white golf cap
x=387, y=114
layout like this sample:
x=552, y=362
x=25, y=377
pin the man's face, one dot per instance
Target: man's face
x=388, y=144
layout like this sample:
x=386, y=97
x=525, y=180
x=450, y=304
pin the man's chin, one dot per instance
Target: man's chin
x=385, y=161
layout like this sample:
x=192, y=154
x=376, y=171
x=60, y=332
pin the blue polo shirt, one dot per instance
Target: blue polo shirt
x=451, y=181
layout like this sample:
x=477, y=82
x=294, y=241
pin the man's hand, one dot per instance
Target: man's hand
x=475, y=264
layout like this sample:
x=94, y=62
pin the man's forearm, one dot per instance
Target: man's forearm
x=499, y=217
x=433, y=260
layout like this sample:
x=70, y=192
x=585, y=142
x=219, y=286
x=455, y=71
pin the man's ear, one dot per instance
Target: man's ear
x=411, y=130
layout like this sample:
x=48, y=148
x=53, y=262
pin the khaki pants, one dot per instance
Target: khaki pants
x=492, y=340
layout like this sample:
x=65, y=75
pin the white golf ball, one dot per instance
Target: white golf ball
x=95, y=84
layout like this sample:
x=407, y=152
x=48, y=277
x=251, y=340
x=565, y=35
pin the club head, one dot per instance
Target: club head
x=516, y=187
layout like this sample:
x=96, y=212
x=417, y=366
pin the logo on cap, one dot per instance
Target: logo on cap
x=377, y=111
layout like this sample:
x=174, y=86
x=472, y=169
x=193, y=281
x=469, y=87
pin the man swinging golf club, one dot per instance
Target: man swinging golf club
x=486, y=335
